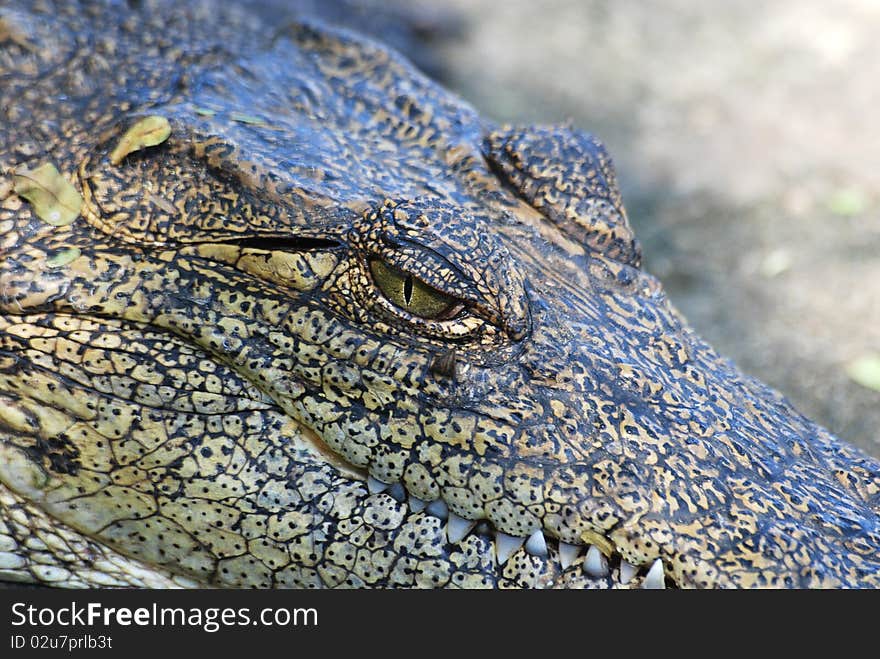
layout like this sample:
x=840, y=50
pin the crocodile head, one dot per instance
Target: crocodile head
x=281, y=312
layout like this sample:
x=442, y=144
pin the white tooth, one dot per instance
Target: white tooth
x=375, y=486
x=458, y=527
x=438, y=508
x=397, y=492
x=505, y=545
x=417, y=505
x=568, y=553
x=536, y=545
x=627, y=571
x=655, y=580
x=595, y=564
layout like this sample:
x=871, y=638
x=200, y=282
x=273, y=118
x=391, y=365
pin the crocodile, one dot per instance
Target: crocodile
x=277, y=310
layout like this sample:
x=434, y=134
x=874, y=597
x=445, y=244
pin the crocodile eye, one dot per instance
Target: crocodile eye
x=412, y=294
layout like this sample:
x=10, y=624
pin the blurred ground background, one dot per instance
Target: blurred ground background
x=747, y=141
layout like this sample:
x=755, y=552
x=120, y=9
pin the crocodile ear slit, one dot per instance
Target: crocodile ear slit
x=444, y=364
x=569, y=177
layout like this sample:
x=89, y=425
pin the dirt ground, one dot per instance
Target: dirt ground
x=747, y=140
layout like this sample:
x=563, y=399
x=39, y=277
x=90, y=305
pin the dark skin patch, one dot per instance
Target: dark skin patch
x=444, y=364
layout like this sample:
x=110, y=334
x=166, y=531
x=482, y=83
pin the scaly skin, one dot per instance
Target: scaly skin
x=199, y=372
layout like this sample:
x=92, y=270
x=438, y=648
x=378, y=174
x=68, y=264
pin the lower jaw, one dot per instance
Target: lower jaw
x=40, y=550
x=442, y=552
x=513, y=562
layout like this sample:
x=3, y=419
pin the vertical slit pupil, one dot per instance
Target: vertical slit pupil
x=408, y=289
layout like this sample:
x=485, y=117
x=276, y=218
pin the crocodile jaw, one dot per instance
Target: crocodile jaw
x=169, y=393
